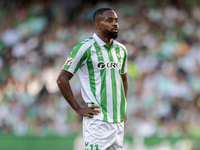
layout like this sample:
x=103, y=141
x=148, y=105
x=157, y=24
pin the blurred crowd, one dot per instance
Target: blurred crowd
x=163, y=43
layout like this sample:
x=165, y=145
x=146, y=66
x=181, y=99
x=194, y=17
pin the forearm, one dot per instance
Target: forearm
x=125, y=84
x=67, y=93
x=65, y=88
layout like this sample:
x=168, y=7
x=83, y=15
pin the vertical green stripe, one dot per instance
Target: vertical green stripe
x=114, y=88
x=91, y=74
x=103, y=95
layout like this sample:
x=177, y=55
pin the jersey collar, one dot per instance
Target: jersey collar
x=100, y=42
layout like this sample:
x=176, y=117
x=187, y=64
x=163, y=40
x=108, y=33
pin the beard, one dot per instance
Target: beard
x=110, y=34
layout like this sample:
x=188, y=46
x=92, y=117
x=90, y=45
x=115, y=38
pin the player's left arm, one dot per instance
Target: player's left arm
x=125, y=76
x=125, y=84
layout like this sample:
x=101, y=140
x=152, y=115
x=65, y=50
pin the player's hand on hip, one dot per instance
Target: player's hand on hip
x=88, y=111
x=125, y=117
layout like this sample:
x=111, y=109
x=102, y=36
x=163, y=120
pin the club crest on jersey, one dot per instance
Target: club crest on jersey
x=118, y=55
x=101, y=65
x=69, y=60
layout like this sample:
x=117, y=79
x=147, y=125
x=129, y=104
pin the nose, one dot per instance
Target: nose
x=116, y=24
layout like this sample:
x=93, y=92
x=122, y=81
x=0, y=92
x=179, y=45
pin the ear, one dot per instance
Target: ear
x=98, y=25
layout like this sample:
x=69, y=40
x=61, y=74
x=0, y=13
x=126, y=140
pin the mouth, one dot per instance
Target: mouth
x=114, y=30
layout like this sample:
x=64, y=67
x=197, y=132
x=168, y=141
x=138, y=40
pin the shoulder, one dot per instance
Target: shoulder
x=85, y=44
x=121, y=45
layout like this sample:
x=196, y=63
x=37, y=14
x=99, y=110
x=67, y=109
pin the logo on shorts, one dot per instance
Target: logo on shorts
x=86, y=144
x=69, y=60
x=91, y=146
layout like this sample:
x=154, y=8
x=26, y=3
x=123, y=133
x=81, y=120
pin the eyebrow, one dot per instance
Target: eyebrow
x=112, y=18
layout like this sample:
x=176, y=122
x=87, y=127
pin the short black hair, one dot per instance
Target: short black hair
x=99, y=12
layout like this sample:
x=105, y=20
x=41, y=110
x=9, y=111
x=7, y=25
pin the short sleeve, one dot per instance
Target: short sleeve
x=75, y=59
x=124, y=62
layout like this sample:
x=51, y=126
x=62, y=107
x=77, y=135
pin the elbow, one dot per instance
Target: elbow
x=63, y=78
x=58, y=81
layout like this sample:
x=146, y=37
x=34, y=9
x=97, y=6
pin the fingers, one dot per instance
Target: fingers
x=88, y=111
x=96, y=111
x=93, y=111
x=92, y=107
x=125, y=117
x=90, y=115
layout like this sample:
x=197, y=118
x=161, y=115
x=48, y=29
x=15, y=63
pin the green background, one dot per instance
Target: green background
x=11, y=142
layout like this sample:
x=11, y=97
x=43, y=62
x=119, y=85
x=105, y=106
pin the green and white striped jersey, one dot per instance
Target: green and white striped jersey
x=99, y=69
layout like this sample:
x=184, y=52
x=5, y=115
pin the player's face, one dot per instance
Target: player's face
x=109, y=24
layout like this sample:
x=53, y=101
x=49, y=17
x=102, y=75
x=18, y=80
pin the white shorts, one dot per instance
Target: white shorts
x=100, y=135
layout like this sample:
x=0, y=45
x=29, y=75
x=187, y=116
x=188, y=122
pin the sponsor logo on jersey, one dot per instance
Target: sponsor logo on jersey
x=101, y=65
x=69, y=60
x=99, y=54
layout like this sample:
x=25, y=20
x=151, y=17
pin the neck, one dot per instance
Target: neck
x=105, y=39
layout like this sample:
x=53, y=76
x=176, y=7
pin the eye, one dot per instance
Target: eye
x=116, y=21
x=109, y=20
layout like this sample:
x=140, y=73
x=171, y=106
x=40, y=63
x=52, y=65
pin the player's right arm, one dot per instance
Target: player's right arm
x=65, y=88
